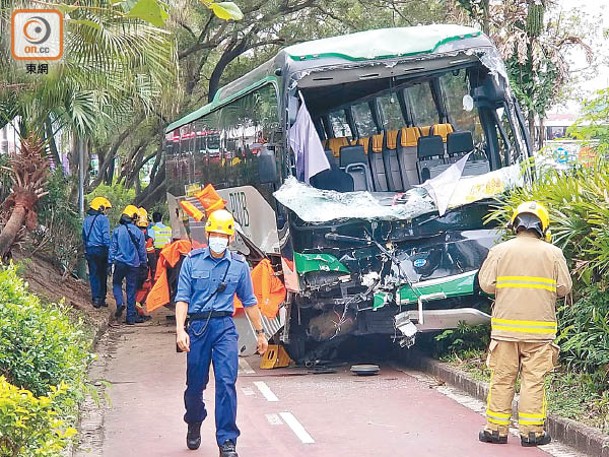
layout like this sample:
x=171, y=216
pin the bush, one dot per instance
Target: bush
x=462, y=342
x=59, y=238
x=577, y=201
x=39, y=346
x=584, y=333
x=118, y=195
x=30, y=425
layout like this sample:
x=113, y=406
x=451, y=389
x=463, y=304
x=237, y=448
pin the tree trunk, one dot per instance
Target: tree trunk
x=227, y=57
x=11, y=229
x=532, y=130
x=53, y=145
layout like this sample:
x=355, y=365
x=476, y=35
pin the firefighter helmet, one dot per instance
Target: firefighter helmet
x=142, y=217
x=220, y=221
x=100, y=204
x=131, y=211
x=531, y=216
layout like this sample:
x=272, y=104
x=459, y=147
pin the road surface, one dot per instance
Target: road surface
x=284, y=412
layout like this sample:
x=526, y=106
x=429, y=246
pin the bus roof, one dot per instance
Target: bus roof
x=379, y=44
x=382, y=43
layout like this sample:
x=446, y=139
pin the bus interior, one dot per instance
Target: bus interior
x=388, y=134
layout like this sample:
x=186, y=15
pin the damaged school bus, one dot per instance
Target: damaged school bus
x=362, y=166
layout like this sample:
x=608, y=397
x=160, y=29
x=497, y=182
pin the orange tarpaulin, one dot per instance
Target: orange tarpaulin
x=168, y=257
x=210, y=199
x=268, y=288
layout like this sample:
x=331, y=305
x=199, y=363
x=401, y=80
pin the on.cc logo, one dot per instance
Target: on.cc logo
x=37, y=34
x=37, y=30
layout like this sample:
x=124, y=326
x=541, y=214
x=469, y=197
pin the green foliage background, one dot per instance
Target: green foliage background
x=43, y=359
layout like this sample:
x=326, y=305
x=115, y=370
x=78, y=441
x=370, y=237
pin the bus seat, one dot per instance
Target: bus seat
x=377, y=164
x=334, y=144
x=424, y=130
x=407, y=154
x=333, y=179
x=330, y=156
x=362, y=142
x=441, y=130
x=430, y=157
x=461, y=143
x=353, y=160
x=392, y=164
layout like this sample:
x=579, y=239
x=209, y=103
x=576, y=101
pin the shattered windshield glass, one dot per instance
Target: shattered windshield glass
x=317, y=206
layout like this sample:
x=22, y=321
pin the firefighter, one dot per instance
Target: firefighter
x=145, y=271
x=96, y=240
x=526, y=275
x=209, y=279
x=159, y=232
x=127, y=254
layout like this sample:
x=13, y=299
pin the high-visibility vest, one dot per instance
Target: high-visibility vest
x=162, y=236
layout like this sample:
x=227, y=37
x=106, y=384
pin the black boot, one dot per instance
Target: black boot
x=534, y=440
x=228, y=449
x=493, y=437
x=193, y=437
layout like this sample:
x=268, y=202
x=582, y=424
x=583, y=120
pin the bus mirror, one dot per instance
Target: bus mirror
x=267, y=169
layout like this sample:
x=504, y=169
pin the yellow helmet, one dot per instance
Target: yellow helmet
x=220, y=221
x=100, y=204
x=131, y=211
x=541, y=221
x=142, y=217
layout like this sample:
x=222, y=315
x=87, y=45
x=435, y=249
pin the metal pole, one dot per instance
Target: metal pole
x=4, y=141
x=81, y=176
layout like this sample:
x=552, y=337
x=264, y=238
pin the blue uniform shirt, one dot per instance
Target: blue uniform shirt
x=200, y=275
x=123, y=249
x=96, y=230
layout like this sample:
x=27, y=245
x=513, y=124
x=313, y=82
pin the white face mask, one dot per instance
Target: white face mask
x=218, y=244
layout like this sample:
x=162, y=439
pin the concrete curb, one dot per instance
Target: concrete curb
x=583, y=438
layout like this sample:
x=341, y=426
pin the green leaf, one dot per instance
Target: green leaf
x=149, y=11
x=87, y=23
x=227, y=11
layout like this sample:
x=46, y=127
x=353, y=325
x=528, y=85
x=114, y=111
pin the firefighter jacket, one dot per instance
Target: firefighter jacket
x=127, y=245
x=96, y=230
x=526, y=275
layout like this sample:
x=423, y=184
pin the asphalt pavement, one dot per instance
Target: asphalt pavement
x=288, y=412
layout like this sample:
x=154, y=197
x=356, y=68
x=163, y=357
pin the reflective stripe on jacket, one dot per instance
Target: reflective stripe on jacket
x=526, y=275
x=161, y=234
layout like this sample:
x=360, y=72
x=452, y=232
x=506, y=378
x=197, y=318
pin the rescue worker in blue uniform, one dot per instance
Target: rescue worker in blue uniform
x=209, y=279
x=96, y=239
x=127, y=254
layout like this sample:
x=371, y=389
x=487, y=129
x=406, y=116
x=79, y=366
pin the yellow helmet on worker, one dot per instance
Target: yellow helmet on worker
x=531, y=215
x=100, y=204
x=131, y=211
x=142, y=217
x=220, y=221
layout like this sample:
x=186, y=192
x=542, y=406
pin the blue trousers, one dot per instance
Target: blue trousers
x=97, y=261
x=213, y=341
x=129, y=274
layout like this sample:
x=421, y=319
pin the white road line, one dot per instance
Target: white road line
x=266, y=391
x=247, y=391
x=297, y=428
x=274, y=419
x=245, y=367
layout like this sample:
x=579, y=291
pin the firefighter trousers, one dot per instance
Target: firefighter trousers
x=533, y=361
